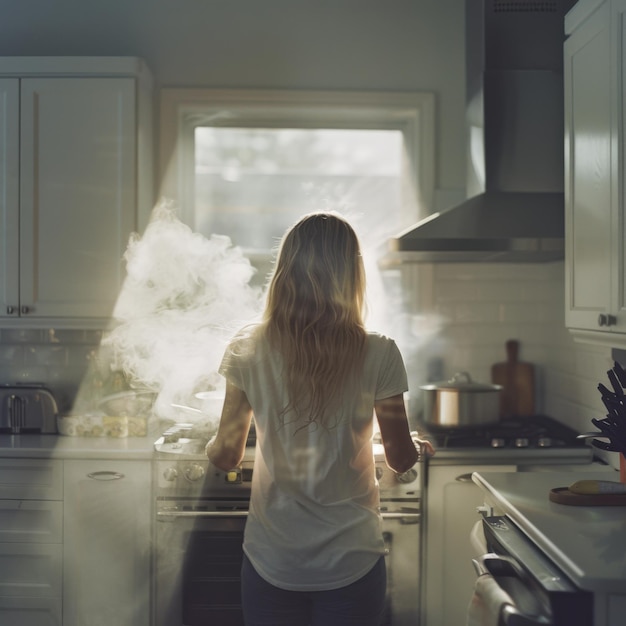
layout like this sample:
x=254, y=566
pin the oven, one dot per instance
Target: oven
x=198, y=561
x=200, y=518
x=517, y=584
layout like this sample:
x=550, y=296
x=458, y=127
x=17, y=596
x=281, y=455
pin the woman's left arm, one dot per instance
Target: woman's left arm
x=227, y=448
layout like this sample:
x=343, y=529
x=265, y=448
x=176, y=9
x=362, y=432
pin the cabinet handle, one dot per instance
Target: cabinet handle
x=605, y=319
x=24, y=310
x=10, y=310
x=105, y=475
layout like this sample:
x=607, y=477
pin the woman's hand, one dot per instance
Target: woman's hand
x=424, y=446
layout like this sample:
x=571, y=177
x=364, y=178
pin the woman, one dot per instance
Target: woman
x=312, y=376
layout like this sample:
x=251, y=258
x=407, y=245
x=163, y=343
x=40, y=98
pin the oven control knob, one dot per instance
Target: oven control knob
x=408, y=476
x=170, y=474
x=194, y=472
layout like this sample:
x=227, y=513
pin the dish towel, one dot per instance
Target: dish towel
x=485, y=608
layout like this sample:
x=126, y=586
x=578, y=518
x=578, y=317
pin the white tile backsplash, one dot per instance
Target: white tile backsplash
x=480, y=306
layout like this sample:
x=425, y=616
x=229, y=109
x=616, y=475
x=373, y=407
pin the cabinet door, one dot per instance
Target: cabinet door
x=107, y=520
x=31, y=479
x=77, y=185
x=31, y=521
x=17, y=611
x=618, y=20
x=450, y=514
x=9, y=195
x=29, y=570
x=589, y=173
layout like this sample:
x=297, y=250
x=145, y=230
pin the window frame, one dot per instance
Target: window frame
x=181, y=110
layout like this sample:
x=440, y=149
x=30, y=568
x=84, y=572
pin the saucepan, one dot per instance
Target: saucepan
x=461, y=402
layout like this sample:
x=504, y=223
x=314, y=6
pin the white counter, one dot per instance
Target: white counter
x=60, y=447
x=588, y=543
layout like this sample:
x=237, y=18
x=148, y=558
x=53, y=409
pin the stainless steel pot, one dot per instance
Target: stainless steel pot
x=461, y=402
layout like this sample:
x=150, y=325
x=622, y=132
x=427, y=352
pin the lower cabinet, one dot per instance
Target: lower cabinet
x=75, y=542
x=107, y=543
x=31, y=542
x=449, y=516
x=34, y=612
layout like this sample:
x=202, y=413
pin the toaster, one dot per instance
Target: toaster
x=27, y=409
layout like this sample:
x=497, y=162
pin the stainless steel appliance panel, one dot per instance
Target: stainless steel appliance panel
x=517, y=584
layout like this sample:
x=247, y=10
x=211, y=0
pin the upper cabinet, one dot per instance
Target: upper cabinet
x=75, y=182
x=595, y=307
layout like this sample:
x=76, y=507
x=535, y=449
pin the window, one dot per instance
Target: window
x=248, y=164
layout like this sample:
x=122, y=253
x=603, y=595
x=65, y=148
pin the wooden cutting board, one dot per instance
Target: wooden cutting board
x=562, y=495
x=518, y=382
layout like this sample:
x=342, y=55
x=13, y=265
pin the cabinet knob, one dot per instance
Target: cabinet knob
x=605, y=319
x=10, y=310
x=24, y=310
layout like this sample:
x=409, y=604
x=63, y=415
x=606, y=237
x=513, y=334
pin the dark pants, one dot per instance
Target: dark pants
x=359, y=604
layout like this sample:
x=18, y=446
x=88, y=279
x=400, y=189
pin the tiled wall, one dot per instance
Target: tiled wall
x=476, y=308
x=60, y=359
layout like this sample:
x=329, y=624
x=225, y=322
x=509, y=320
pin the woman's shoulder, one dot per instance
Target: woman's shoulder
x=245, y=341
x=376, y=338
x=378, y=342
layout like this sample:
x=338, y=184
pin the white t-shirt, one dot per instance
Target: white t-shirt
x=314, y=520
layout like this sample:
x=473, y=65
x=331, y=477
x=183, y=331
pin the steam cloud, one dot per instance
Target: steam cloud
x=183, y=299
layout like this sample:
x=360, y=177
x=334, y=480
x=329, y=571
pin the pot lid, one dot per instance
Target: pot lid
x=461, y=381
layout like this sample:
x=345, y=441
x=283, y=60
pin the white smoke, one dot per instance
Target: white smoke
x=184, y=297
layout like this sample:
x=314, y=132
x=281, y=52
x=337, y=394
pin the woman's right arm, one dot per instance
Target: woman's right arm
x=227, y=448
x=401, y=451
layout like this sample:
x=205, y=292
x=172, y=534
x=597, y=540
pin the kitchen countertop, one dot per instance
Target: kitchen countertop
x=586, y=542
x=60, y=447
x=538, y=456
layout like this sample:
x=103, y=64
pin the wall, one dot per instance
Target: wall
x=399, y=45
x=476, y=308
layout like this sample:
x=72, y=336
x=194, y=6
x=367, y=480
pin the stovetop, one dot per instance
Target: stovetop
x=533, y=432
x=190, y=439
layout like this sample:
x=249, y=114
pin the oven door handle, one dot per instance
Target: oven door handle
x=491, y=565
x=404, y=518
x=497, y=564
x=164, y=516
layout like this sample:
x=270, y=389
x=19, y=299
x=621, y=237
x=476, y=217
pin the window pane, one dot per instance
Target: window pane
x=252, y=183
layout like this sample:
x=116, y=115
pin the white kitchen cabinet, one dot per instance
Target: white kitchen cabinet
x=31, y=542
x=75, y=182
x=594, y=174
x=451, y=502
x=107, y=543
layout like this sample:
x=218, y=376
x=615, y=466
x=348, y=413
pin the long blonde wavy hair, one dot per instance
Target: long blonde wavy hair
x=314, y=313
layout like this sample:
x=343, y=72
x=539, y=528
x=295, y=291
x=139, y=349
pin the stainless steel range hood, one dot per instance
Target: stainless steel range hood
x=514, y=115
